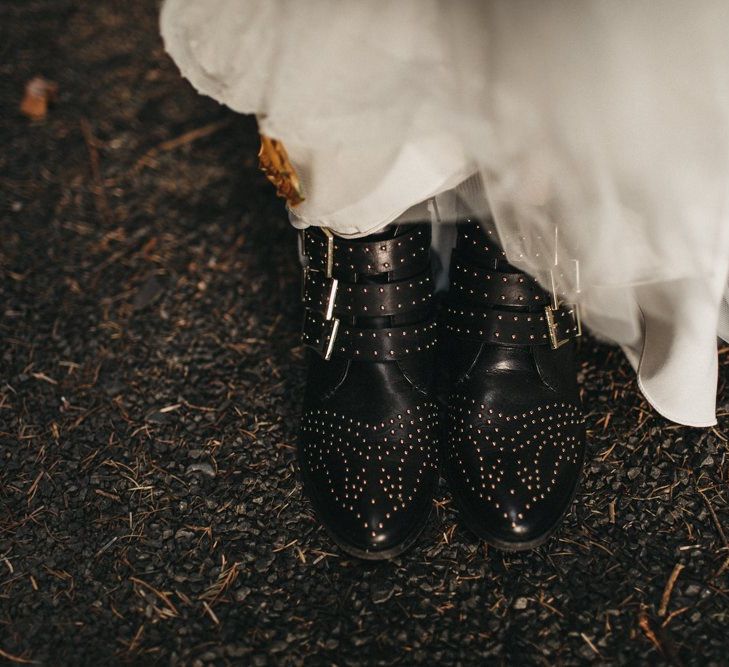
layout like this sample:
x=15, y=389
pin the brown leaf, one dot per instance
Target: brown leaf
x=39, y=93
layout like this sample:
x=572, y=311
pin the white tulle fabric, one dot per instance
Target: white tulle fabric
x=599, y=129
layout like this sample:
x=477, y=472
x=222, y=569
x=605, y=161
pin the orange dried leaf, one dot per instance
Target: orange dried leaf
x=39, y=93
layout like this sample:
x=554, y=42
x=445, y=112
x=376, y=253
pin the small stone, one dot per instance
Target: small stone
x=157, y=417
x=262, y=564
x=708, y=461
x=148, y=293
x=204, y=468
x=278, y=646
x=237, y=651
x=242, y=593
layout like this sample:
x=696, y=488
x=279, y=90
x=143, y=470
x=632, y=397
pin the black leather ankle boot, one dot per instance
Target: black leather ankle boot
x=515, y=439
x=368, y=443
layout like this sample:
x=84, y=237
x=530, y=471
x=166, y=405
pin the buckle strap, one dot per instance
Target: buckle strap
x=551, y=326
x=331, y=338
x=498, y=288
x=479, y=245
x=333, y=297
x=349, y=258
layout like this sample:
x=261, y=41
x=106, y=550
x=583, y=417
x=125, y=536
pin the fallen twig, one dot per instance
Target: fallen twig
x=102, y=204
x=669, y=587
x=171, y=144
x=16, y=658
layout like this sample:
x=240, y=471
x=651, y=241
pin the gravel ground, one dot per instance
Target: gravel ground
x=150, y=377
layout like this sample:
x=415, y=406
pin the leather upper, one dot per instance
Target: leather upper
x=368, y=445
x=515, y=434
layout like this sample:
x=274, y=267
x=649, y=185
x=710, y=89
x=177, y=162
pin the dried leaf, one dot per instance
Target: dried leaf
x=39, y=93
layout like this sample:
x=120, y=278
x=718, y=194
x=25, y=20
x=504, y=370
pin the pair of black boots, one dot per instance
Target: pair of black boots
x=508, y=431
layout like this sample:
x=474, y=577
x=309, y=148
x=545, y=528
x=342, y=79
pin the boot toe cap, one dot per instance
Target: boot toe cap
x=374, y=524
x=371, y=486
x=514, y=478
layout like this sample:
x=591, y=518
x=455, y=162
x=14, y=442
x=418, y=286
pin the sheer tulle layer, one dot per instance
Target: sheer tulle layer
x=600, y=131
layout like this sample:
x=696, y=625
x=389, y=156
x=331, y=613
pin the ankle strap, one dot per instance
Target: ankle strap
x=331, y=290
x=330, y=296
x=472, y=283
x=493, y=302
x=350, y=258
x=330, y=338
x=552, y=326
x=328, y=299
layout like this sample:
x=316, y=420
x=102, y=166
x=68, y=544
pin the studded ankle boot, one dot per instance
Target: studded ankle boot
x=515, y=437
x=368, y=445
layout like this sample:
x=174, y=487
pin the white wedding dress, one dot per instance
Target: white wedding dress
x=600, y=130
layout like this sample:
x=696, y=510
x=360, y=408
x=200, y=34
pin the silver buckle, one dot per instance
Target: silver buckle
x=329, y=263
x=332, y=284
x=329, y=312
x=330, y=252
x=331, y=336
x=551, y=309
x=554, y=338
x=329, y=319
x=327, y=334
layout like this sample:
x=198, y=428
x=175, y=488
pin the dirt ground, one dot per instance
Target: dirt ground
x=150, y=381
